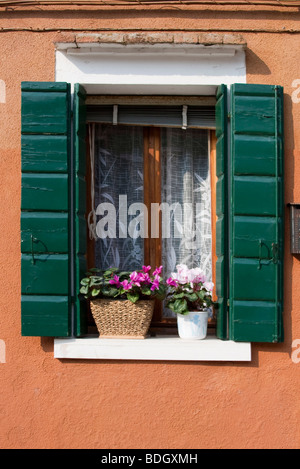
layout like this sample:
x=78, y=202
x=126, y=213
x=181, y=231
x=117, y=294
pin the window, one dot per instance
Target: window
x=249, y=211
x=150, y=190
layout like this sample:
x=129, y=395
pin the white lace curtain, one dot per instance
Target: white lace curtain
x=118, y=172
x=185, y=186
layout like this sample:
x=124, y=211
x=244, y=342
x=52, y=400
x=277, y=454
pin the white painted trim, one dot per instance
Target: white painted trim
x=166, y=348
x=172, y=70
x=161, y=70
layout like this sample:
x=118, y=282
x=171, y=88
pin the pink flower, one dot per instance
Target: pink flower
x=146, y=268
x=171, y=282
x=208, y=286
x=197, y=275
x=155, y=284
x=185, y=275
x=115, y=281
x=126, y=285
x=158, y=270
x=145, y=278
x=136, y=278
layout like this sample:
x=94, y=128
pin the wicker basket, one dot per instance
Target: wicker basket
x=122, y=318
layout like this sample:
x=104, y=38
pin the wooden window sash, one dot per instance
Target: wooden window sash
x=152, y=193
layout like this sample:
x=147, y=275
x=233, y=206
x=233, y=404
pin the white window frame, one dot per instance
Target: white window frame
x=143, y=69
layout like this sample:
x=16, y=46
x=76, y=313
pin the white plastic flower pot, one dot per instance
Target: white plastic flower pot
x=192, y=325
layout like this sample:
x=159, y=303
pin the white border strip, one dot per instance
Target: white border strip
x=153, y=348
x=103, y=73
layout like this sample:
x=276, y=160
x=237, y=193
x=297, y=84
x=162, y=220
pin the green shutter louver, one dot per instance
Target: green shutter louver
x=79, y=206
x=45, y=213
x=256, y=213
x=222, y=212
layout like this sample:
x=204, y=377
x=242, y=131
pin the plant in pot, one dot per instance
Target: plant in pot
x=189, y=295
x=122, y=302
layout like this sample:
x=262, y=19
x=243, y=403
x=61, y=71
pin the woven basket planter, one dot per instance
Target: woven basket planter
x=122, y=318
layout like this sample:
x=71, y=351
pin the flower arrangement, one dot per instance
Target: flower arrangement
x=117, y=284
x=188, y=290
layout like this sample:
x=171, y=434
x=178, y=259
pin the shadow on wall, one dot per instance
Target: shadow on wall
x=254, y=64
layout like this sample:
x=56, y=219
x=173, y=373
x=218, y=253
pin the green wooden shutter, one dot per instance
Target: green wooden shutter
x=79, y=207
x=222, y=212
x=45, y=220
x=256, y=213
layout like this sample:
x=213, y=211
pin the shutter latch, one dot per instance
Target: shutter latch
x=275, y=253
x=33, y=240
x=260, y=254
x=267, y=261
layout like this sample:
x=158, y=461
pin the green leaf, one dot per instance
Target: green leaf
x=133, y=297
x=180, y=306
x=201, y=294
x=110, y=271
x=84, y=290
x=170, y=305
x=96, y=281
x=110, y=291
x=123, y=275
x=146, y=291
x=192, y=297
x=95, y=292
x=178, y=295
x=85, y=281
x=161, y=292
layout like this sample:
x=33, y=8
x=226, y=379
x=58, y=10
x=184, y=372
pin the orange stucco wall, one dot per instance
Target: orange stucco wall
x=48, y=403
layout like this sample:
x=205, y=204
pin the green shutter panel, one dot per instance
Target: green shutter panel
x=79, y=207
x=221, y=211
x=45, y=221
x=256, y=213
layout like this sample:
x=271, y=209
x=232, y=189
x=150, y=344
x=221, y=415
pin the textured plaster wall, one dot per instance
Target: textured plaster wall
x=47, y=403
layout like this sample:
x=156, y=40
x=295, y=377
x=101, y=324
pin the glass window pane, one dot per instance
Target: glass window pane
x=119, y=183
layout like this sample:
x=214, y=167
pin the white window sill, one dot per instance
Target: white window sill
x=153, y=348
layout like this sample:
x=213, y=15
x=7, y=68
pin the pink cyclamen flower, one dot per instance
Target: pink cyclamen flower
x=155, y=284
x=115, y=281
x=146, y=268
x=171, y=282
x=145, y=278
x=126, y=285
x=136, y=278
x=158, y=270
x=208, y=286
